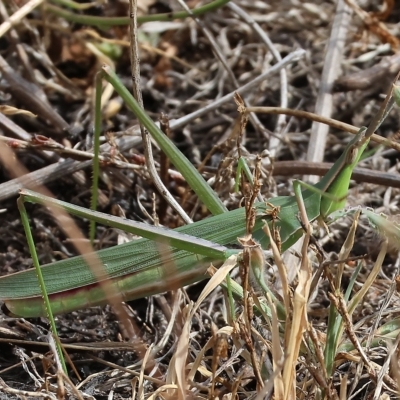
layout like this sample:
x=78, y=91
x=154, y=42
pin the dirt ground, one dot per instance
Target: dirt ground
x=334, y=59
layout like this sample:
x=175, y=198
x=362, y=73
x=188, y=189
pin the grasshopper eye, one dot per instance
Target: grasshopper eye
x=351, y=155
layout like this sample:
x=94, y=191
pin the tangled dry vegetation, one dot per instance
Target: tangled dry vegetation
x=182, y=343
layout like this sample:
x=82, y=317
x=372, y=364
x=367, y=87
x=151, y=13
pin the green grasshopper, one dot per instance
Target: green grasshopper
x=166, y=259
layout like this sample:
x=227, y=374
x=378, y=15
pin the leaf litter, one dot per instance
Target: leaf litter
x=48, y=67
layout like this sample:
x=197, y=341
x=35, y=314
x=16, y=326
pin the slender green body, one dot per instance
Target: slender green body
x=143, y=267
x=139, y=268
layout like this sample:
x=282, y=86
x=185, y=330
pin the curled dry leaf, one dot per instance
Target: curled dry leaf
x=8, y=110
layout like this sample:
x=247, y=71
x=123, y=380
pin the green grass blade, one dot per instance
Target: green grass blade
x=172, y=238
x=183, y=165
x=35, y=261
x=96, y=153
x=114, y=21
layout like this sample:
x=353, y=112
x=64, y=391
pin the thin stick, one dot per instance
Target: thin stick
x=329, y=121
x=221, y=57
x=281, y=120
x=292, y=57
x=55, y=171
x=137, y=94
x=185, y=167
x=324, y=100
x=19, y=15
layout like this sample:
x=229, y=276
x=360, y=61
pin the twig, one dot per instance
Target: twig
x=253, y=118
x=281, y=122
x=324, y=101
x=32, y=96
x=19, y=15
x=329, y=121
x=137, y=94
x=292, y=57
